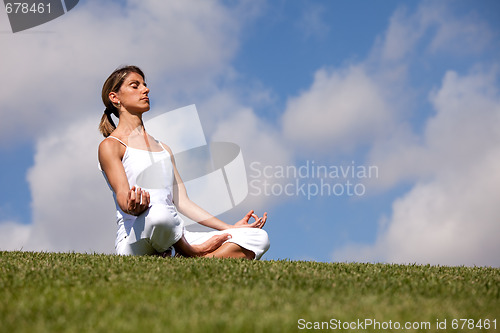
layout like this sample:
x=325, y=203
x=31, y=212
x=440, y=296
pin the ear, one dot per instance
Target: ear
x=113, y=97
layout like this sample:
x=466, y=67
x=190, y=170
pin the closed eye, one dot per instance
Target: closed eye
x=136, y=84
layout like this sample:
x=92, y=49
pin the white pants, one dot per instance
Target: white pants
x=160, y=227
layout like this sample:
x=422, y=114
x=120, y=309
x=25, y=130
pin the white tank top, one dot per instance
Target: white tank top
x=151, y=171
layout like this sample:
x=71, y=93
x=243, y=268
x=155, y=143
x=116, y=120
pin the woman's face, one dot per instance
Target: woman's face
x=133, y=94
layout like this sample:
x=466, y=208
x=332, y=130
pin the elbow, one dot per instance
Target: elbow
x=122, y=202
x=123, y=207
x=182, y=205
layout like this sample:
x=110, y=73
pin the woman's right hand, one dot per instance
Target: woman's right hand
x=209, y=246
x=137, y=201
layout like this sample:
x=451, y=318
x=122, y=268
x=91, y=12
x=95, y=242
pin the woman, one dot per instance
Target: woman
x=148, y=222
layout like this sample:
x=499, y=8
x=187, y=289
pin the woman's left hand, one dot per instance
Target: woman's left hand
x=259, y=221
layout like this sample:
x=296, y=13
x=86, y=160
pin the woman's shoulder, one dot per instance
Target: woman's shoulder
x=112, y=146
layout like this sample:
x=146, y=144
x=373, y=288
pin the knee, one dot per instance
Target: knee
x=163, y=217
x=266, y=243
x=163, y=227
x=258, y=238
x=261, y=243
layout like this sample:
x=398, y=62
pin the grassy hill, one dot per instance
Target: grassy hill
x=70, y=292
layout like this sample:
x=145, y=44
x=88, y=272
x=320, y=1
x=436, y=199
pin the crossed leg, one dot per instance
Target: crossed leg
x=231, y=250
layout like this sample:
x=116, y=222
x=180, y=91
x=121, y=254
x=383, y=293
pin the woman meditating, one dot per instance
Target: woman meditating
x=147, y=218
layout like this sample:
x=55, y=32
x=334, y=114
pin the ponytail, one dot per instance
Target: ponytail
x=107, y=125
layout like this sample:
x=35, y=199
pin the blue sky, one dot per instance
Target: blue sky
x=410, y=87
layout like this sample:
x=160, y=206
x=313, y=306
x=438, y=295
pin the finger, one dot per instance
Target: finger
x=260, y=222
x=256, y=224
x=139, y=196
x=143, y=203
x=131, y=198
x=264, y=220
x=249, y=214
x=148, y=199
x=137, y=201
x=130, y=203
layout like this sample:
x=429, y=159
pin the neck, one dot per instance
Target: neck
x=129, y=123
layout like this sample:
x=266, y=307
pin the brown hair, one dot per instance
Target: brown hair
x=113, y=84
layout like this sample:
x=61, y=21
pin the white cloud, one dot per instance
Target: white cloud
x=342, y=109
x=456, y=35
x=260, y=144
x=72, y=206
x=13, y=236
x=258, y=139
x=312, y=22
x=401, y=36
x=434, y=25
x=450, y=216
x=454, y=139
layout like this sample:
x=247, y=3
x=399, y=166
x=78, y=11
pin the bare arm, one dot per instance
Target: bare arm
x=133, y=200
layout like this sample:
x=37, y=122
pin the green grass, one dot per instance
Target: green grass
x=70, y=292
